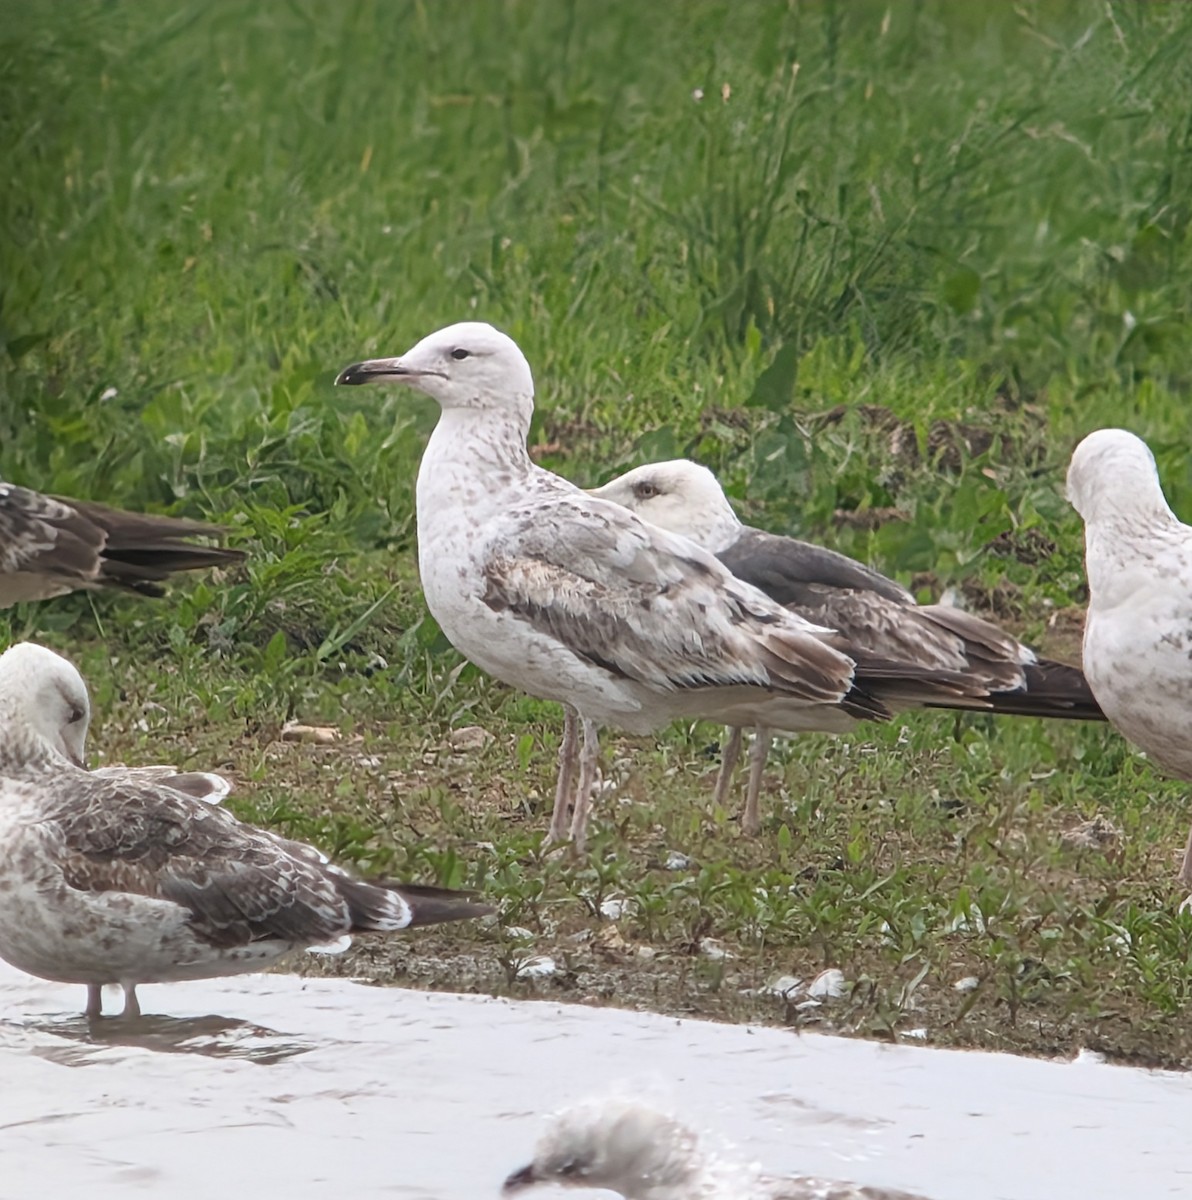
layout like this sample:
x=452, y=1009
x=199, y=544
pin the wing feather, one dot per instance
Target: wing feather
x=651, y=606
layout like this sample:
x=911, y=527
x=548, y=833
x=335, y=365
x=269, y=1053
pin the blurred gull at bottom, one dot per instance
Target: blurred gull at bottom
x=319, y=1087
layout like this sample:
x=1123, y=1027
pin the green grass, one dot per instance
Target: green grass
x=881, y=276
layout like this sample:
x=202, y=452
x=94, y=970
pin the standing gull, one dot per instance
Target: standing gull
x=642, y=1154
x=109, y=878
x=873, y=614
x=1138, y=632
x=576, y=599
x=50, y=546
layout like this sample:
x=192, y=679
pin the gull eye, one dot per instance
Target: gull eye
x=459, y=354
x=645, y=490
x=76, y=715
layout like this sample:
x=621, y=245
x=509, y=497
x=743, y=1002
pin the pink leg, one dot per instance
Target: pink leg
x=588, y=761
x=132, y=1006
x=568, y=750
x=751, y=822
x=730, y=752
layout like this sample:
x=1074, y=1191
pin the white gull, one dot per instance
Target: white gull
x=118, y=878
x=575, y=599
x=642, y=1154
x=50, y=545
x=1138, y=632
x=874, y=615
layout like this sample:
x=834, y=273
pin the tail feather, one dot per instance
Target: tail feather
x=141, y=550
x=383, y=906
x=1052, y=689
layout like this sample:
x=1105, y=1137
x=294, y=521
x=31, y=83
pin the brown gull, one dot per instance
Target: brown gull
x=573, y=598
x=50, y=546
x=642, y=1154
x=873, y=614
x=1138, y=632
x=118, y=878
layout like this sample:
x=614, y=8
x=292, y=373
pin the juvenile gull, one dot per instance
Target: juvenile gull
x=575, y=599
x=873, y=614
x=50, y=546
x=118, y=878
x=642, y=1154
x=1138, y=632
x=68, y=738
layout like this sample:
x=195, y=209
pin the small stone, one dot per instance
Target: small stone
x=318, y=735
x=970, y=983
x=614, y=908
x=469, y=737
x=675, y=861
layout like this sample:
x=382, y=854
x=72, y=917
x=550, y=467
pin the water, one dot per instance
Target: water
x=322, y=1088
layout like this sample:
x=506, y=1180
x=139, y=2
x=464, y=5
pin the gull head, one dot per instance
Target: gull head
x=469, y=365
x=680, y=496
x=620, y=1145
x=1113, y=473
x=44, y=693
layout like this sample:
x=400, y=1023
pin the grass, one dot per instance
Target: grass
x=878, y=265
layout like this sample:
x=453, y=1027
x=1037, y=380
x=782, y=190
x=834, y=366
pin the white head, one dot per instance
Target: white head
x=620, y=1145
x=1113, y=473
x=469, y=365
x=43, y=694
x=680, y=496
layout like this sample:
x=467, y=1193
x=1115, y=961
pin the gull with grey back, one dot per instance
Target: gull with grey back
x=642, y=1154
x=573, y=598
x=871, y=614
x=119, y=878
x=1138, y=632
x=50, y=546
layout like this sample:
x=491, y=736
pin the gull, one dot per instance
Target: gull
x=573, y=598
x=642, y=1154
x=118, y=878
x=68, y=737
x=50, y=546
x=873, y=614
x=1138, y=632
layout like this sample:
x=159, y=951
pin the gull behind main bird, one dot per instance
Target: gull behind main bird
x=870, y=613
x=576, y=599
x=50, y=546
x=1138, y=631
x=118, y=878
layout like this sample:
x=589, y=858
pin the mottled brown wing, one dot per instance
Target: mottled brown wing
x=238, y=883
x=650, y=606
x=41, y=536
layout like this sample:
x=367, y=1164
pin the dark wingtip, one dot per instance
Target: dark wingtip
x=520, y=1179
x=435, y=905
